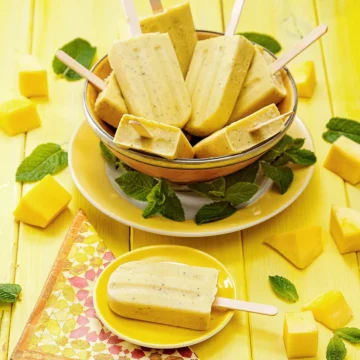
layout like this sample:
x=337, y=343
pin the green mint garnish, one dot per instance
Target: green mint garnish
x=247, y=175
x=136, y=185
x=214, y=189
x=342, y=127
x=336, y=349
x=264, y=40
x=281, y=175
x=284, y=288
x=301, y=156
x=79, y=49
x=213, y=212
x=240, y=193
x=9, y=292
x=46, y=159
x=350, y=334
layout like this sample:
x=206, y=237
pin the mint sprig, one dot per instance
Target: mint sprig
x=336, y=349
x=136, y=185
x=350, y=334
x=247, y=175
x=342, y=127
x=264, y=40
x=214, y=189
x=284, y=288
x=79, y=49
x=282, y=176
x=214, y=211
x=46, y=159
x=9, y=293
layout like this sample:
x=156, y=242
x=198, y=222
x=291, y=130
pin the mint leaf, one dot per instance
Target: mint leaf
x=281, y=175
x=298, y=143
x=9, y=292
x=156, y=195
x=342, y=127
x=286, y=143
x=240, y=193
x=349, y=334
x=264, y=40
x=281, y=160
x=336, y=349
x=45, y=159
x=213, y=212
x=80, y=50
x=284, y=288
x=247, y=174
x=301, y=156
x=109, y=156
x=136, y=185
x=150, y=210
x=214, y=189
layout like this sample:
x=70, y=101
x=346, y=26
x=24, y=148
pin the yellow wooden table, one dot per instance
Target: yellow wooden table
x=40, y=27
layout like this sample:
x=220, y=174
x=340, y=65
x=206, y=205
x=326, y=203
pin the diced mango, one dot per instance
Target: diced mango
x=32, y=77
x=43, y=203
x=301, y=247
x=331, y=309
x=300, y=335
x=344, y=159
x=345, y=228
x=18, y=116
x=305, y=79
x=110, y=105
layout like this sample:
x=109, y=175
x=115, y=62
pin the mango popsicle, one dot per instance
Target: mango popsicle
x=236, y=137
x=166, y=141
x=165, y=293
x=179, y=23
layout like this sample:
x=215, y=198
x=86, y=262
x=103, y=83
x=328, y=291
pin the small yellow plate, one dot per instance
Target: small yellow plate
x=159, y=336
x=87, y=167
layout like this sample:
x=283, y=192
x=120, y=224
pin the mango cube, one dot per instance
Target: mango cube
x=32, y=77
x=345, y=228
x=110, y=105
x=305, y=79
x=344, y=159
x=43, y=203
x=18, y=116
x=300, y=335
x=301, y=247
x=331, y=309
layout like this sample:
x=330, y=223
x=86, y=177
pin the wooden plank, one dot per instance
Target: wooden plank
x=61, y=115
x=15, y=39
x=288, y=21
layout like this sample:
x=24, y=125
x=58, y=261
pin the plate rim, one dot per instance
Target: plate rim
x=168, y=346
x=185, y=233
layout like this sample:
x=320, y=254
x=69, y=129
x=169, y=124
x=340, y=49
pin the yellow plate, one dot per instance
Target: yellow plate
x=155, y=335
x=87, y=167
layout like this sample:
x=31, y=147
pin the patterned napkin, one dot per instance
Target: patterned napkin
x=63, y=324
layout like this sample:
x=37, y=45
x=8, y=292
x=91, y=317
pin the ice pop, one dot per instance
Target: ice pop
x=216, y=75
x=149, y=75
x=179, y=23
x=238, y=136
x=163, y=140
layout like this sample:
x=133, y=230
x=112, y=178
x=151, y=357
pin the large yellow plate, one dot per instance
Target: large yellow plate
x=156, y=335
x=87, y=167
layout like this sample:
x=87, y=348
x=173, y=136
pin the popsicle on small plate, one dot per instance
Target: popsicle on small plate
x=238, y=136
x=164, y=140
x=179, y=23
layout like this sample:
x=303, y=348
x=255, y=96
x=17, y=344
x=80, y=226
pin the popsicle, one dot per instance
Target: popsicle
x=170, y=293
x=216, y=75
x=179, y=23
x=264, y=82
x=149, y=75
x=154, y=138
x=243, y=134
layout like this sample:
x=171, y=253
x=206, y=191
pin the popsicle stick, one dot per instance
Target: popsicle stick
x=132, y=18
x=245, y=306
x=299, y=48
x=257, y=127
x=234, y=19
x=140, y=129
x=156, y=6
x=80, y=69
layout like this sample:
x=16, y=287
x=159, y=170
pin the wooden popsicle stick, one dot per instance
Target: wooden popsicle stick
x=156, y=6
x=299, y=48
x=234, y=19
x=80, y=69
x=140, y=129
x=256, y=308
x=257, y=127
x=133, y=21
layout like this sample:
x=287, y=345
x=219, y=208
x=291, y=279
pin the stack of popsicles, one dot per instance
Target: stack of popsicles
x=166, y=85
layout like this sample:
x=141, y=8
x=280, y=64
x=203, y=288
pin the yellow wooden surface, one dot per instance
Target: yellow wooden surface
x=42, y=26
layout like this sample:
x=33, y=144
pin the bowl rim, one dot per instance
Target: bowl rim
x=253, y=152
